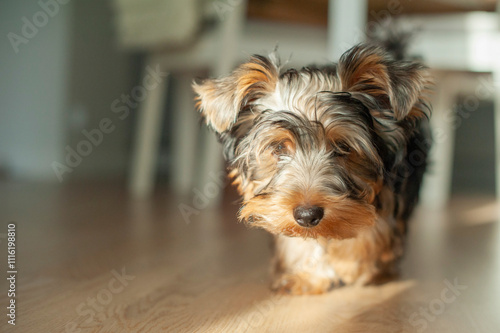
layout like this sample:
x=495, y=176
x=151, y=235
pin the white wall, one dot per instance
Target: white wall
x=32, y=91
x=100, y=72
x=61, y=82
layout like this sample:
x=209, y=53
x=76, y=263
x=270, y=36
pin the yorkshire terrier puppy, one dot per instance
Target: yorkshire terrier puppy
x=328, y=159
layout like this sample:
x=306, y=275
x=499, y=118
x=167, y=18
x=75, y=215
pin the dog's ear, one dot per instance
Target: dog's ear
x=395, y=85
x=221, y=100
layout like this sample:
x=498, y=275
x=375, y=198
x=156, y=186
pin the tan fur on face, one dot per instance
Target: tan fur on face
x=343, y=218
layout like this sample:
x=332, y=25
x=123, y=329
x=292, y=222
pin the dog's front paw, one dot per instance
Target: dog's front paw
x=301, y=284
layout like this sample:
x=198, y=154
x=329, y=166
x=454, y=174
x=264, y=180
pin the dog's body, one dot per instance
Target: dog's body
x=329, y=160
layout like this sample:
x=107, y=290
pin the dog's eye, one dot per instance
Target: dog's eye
x=279, y=149
x=282, y=148
x=340, y=149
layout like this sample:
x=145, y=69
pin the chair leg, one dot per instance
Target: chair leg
x=496, y=101
x=437, y=182
x=346, y=25
x=147, y=138
x=186, y=133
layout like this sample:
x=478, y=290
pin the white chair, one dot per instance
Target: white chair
x=214, y=49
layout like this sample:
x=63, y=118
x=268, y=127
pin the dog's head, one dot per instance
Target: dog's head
x=310, y=149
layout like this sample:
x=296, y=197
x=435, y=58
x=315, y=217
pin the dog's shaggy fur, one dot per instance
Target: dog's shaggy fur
x=328, y=159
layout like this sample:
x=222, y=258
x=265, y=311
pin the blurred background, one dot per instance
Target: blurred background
x=67, y=65
x=105, y=165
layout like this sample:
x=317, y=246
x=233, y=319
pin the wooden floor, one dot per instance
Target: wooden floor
x=90, y=259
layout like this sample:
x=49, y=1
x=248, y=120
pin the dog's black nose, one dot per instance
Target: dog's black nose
x=308, y=216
